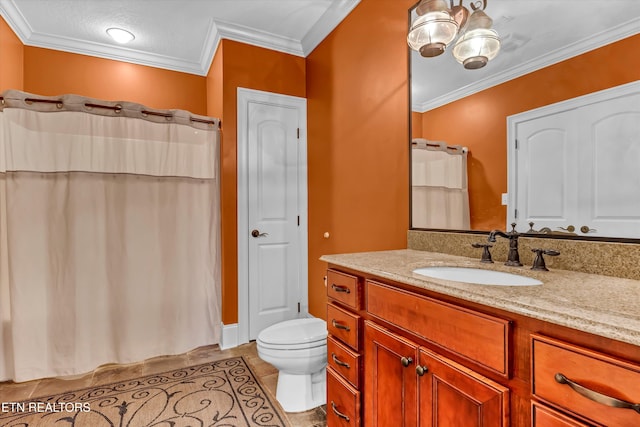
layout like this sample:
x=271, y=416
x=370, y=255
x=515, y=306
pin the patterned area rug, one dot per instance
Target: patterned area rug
x=223, y=393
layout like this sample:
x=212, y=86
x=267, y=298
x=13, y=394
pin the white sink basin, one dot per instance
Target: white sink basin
x=477, y=275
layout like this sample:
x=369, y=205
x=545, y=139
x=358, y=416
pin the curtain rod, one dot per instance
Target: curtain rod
x=447, y=147
x=115, y=108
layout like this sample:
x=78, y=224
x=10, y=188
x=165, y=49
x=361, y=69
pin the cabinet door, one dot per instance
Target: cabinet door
x=451, y=395
x=390, y=379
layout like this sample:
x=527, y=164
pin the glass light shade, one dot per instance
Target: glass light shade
x=431, y=33
x=120, y=35
x=476, y=47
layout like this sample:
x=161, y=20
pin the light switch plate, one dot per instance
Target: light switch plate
x=505, y=199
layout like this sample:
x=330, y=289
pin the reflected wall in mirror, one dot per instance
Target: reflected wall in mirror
x=552, y=51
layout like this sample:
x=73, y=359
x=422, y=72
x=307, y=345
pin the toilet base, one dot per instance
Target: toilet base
x=299, y=393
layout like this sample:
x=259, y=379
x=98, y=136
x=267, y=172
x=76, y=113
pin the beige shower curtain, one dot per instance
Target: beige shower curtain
x=109, y=234
x=439, y=196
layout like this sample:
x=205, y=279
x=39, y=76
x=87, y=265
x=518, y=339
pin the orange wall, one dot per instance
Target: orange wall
x=358, y=138
x=52, y=72
x=416, y=125
x=481, y=118
x=253, y=68
x=12, y=57
x=215, y=87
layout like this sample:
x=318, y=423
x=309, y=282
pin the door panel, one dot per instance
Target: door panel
x=454, y=396
x=546, y=178
x=390, y=386
x=274, y=246
x=611, y=183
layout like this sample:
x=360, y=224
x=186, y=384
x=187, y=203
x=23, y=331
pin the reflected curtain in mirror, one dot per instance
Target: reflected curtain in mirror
x=108, y=235
x=439, y=194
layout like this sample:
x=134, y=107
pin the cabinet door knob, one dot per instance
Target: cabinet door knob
x=421, y=370
x=406, y=361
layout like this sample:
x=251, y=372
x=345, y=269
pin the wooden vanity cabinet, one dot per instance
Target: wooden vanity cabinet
x=344, y=349
x=408, y=386
x=427, y=359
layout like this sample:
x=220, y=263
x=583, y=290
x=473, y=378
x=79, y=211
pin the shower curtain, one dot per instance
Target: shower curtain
x=109, y=234
x=439, y=193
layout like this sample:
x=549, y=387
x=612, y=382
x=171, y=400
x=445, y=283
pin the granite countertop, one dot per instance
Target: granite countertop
x=601, y=305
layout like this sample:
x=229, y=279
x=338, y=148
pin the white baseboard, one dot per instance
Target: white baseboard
x=229, y=338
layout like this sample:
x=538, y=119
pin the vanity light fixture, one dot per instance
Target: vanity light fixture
x=438, y=24
x=120, y=36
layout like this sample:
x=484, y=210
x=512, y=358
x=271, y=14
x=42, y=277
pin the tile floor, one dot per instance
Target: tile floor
x=268, y=375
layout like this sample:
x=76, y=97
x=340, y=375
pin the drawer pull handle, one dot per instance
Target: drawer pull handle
x=406, y=361
x=340, y=325
x=338, y=413
x=340, y=289
x=340, y=362
x=595, y=396
x=421, y=370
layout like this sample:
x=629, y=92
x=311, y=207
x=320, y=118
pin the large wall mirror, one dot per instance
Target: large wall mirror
x=552, y=51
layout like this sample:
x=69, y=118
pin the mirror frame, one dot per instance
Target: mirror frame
x=448, y=230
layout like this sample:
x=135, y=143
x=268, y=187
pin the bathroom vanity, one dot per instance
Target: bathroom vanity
x=407, y=350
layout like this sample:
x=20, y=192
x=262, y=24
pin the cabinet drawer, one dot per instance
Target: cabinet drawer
x=594, y=378
x=344, y=288
x=344, y=361
x=477, y=337
x=543, y=416
x=343, y=402
x=344, y=326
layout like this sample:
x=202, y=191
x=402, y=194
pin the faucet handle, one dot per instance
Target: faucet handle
x=513, y=227
x=486, y=255
x=538, y=262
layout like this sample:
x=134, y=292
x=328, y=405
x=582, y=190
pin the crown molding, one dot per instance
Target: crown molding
x=217, y=31
x=259, y=38
x=326, y=24
x=620, y=32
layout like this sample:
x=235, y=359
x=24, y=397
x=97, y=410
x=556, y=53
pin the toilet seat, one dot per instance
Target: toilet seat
x=294, y=334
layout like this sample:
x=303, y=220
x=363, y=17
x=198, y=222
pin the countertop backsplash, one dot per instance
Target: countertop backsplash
x=594, y=257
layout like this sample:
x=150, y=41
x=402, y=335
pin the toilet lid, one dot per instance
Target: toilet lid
x=307, y=331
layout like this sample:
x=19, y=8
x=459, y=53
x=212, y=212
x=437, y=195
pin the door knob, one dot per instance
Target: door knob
x=421, y=370
x=256, y=233
x=406, y=361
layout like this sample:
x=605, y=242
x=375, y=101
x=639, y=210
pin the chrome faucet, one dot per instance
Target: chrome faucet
x=513, y=258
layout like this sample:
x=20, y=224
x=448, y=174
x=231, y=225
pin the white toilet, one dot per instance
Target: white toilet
x=298, y=349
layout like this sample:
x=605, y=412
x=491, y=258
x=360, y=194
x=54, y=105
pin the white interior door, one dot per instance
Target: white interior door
x=274, y=234
x=609, y=167
x=547, y=180
x=575, y=167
